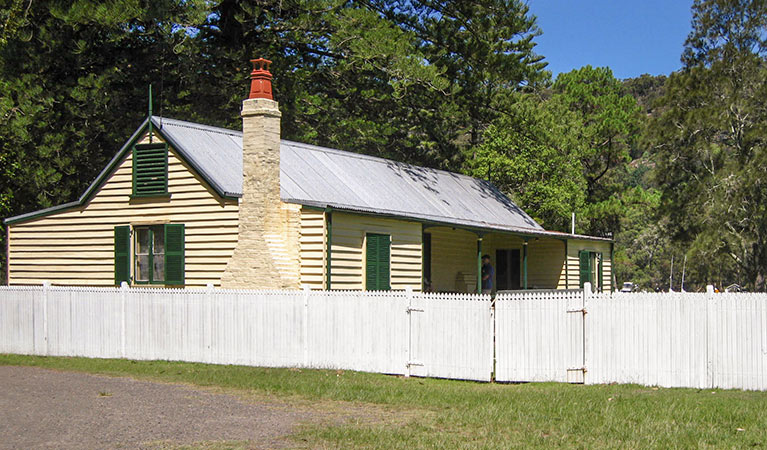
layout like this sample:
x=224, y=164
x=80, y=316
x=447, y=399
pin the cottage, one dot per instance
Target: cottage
x=185, y=205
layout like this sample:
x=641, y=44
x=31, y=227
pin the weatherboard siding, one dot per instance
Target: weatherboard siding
x=574, y=246
x=348, y=250
x=546, y=264
x=76, y=247
x=453, y=260
x=312, y=248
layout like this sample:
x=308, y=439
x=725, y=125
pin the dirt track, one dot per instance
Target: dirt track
x=42, y=408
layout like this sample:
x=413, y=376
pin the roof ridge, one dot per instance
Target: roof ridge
x=197, y=126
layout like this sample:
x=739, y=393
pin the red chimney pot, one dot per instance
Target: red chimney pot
x=261, y=79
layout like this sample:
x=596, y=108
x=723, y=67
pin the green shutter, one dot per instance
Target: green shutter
x=371, y=263
x=122, y=254
x=585, y=267
x=384, y=264
x=174, y=254
x=150, y=170
x=377, y=262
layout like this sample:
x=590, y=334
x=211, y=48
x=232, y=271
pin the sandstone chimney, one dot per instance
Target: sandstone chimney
x=261, y=145
x=262, y=225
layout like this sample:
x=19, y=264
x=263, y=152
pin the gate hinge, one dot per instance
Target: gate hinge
x=582, y=311
x=409, y=310
x=413, y=363
x=578, y=369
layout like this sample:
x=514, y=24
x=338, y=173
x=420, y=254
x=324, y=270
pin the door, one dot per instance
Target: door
x=507, y=271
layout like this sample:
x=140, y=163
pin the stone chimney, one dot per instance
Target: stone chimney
x=262, y=258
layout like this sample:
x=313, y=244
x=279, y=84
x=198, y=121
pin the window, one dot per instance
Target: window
x=591, y=269
x=149, y=256
x=377, y=265
x=157, y=257
x=150, y=170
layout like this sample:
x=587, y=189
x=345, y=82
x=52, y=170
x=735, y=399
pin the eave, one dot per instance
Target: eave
x=478, y=228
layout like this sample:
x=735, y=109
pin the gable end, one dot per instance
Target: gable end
x=112, y=166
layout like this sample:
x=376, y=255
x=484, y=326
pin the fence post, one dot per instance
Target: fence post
x=409, y=302
x=307, y=293
x=493, y=355
x=46, y=288
x=587, y=294
x=123, y=301
x=710, y=316
x=209, y=322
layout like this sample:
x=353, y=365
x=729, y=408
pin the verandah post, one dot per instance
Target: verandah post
x=328, y=247
x=479, y=264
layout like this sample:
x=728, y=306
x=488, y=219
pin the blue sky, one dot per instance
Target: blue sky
x=631, y=37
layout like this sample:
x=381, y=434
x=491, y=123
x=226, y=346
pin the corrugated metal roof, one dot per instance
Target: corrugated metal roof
x=319, y=176
x=325, y=177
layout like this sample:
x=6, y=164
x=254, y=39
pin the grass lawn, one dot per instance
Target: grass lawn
x=443, y=413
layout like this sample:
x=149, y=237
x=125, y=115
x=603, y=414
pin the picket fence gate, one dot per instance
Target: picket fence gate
x=540, y=336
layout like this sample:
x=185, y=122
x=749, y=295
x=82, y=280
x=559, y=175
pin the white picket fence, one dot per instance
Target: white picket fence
x=665, y=339
x=400, y=332
x=668, y=339
x=678, y=340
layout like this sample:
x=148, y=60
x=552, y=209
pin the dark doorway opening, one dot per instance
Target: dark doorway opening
x=507, y=271
x=426, y=261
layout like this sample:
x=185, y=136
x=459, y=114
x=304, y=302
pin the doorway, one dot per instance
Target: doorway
x=507, y=271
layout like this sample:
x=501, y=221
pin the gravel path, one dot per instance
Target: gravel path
x=42, y=408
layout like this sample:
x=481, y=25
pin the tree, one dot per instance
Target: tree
x=484, y=49
x=609, y=121
x=563, y=150
x=643, y=247
x=710, y=142
x=530, y=155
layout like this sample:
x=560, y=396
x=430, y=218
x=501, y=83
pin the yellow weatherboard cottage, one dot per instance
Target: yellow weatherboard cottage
x=186, y=205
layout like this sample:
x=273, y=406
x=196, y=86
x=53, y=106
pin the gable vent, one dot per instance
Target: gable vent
x=150, y=170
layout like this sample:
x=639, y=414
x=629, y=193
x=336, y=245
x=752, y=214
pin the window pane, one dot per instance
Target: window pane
x=158, y=272
x=159, y=241
x=142, y=268
x=142, y=241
